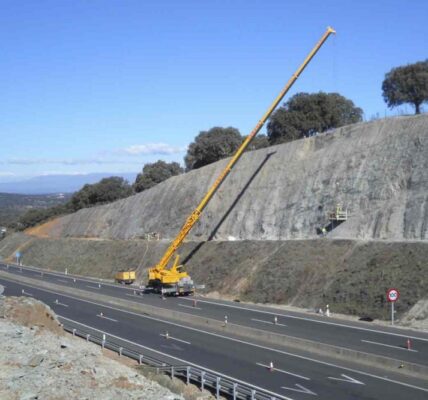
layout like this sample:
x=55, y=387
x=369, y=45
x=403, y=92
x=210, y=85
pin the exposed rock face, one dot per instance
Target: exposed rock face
x=36, y=363
x=378, y=170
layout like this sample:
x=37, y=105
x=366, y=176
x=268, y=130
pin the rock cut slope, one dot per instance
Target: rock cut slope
x=378, y=170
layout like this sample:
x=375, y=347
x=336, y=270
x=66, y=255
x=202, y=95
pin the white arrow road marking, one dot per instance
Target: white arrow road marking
x=173, y=338
x=347, y=379
x=103, y=316
x=93, y=287
x=194, y=308
x=389, y=345
x=283, y=371
x=267, y=322
x=301, y=389
x=28, y=294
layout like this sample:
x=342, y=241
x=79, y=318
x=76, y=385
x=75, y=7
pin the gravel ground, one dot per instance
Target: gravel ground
x=37, y=362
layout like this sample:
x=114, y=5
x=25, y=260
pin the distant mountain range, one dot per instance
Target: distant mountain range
x=58, y=183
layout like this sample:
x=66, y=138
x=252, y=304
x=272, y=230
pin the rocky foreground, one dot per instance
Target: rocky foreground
x=39, y=361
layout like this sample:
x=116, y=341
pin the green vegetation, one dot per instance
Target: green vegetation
x=105, y=191
x=155, y=173
x=407, y=84
x=307, y=114
x=216, y=144
x=211, y=146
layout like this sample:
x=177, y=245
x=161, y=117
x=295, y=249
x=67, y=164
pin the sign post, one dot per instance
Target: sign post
x=18, y=256
x=392, y=296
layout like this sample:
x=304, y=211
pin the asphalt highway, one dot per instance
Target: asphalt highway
x=360, y=336
x=294, y=376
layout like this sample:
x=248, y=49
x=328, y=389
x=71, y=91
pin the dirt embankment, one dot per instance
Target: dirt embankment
x=351, y=276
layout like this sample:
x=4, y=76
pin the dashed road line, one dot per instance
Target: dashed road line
x=169, y=337
x=191, y=307
x=104, y=317
x=389, y=345
x=60, y=304
x=267, y=322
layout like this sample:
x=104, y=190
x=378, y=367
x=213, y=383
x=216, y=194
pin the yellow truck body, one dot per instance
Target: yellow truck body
x=123, y=277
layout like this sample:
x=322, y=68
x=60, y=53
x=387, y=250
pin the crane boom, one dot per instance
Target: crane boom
x=156, y=272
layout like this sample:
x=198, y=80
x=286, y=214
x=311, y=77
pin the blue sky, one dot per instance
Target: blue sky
x=92, y=86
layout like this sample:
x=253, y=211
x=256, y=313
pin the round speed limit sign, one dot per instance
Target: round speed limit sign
x=392, y=295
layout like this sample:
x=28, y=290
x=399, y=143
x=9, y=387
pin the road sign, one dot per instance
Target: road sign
x=392, y=295
x=17, y=254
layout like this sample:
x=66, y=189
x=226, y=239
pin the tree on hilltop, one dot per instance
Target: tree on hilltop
x=105, y=191
x=212, y=145
x=154, y=173
x=306, y=114
x=407, y=84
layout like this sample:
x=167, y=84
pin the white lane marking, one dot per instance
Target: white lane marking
x=382, y=378
x=284, y=372
x=313, y=320
x=267, y=322
x=301, y=389
x=63, y=280
x=60, y=304
x=279, y=396
x=388, y=345
x=104, y=317
x=193, y=308
x=173, y=338
x=93, y=287
x=28, y=294
x=347, y=379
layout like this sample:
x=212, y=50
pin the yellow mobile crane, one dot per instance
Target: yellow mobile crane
x=175, y=280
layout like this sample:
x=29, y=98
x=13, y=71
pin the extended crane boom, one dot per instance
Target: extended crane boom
x=175, y=278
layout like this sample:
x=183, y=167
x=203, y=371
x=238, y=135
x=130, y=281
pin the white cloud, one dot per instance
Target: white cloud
x=121, y=156
x=7, y=174
x=152, y=148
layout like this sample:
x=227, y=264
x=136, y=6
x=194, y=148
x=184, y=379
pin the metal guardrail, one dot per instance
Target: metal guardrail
x=217, y=384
